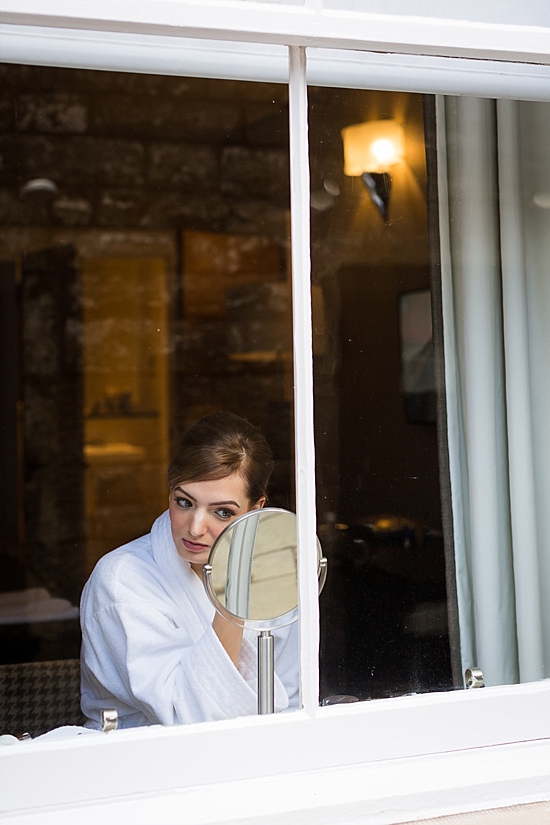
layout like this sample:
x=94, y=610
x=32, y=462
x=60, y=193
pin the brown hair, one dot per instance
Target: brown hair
x=220, y=445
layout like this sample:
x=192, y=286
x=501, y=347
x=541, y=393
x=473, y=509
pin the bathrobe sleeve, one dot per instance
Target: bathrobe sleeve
x=156, y=664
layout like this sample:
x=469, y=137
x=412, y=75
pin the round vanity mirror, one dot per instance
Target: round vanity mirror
x=251, y=579
x=251, y=575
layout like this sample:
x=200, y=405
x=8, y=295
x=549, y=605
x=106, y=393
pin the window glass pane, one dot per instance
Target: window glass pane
x=384, y=609
x=144, y=248
x=495, y=186
x=404, y=592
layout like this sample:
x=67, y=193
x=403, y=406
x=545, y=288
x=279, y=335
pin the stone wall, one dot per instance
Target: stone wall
x=129, y=150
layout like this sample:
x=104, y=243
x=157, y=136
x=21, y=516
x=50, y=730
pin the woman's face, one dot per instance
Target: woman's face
x=199, y=511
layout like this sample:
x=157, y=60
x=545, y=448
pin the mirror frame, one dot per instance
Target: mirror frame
x=251, y=624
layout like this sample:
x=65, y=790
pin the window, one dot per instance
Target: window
x=354, y=735
x=384, y=628
x=145, y=253
x=499, y=285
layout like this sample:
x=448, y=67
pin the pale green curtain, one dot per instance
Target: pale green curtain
x=494, y=170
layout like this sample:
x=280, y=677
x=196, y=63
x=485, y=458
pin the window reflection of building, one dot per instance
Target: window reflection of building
x=133, y=207
x=174, y=232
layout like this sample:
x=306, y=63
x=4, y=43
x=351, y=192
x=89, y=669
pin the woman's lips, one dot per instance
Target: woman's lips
x=193, y=547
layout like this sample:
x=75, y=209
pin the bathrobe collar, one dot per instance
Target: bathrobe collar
x=178, y=572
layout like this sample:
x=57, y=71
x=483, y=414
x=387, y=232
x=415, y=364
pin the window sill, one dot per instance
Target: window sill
x=349, y=744
x=386, y=792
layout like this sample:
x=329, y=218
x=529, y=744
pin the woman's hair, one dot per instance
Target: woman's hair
x=218, y=446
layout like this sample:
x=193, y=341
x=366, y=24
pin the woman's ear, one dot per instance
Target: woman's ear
x=260, y=503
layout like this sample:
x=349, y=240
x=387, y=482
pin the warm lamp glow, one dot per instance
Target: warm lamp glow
x=375, y=146
x=384, y=152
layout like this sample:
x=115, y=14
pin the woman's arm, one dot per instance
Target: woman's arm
x=230, y=635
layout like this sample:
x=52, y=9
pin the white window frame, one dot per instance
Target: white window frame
x=394, y=759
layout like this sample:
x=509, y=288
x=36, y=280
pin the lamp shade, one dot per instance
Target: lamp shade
x=375, y=146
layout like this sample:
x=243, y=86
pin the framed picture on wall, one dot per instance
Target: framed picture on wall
x=417, y=356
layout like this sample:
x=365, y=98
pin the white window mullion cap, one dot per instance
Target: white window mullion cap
x=303, y=382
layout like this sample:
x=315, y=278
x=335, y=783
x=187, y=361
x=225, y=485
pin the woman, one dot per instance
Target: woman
x=153, y=646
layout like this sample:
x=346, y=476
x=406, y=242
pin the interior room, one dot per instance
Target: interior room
x=384, y=621
x=144, y=251
x=145, y=283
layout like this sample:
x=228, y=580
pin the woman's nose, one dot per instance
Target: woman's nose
x=197, y=527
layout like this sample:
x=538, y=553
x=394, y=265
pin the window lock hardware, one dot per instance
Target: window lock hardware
x=109, y=719
x=474, y=678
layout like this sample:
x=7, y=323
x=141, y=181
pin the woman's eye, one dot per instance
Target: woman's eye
x=224, y=513
x=183, y=502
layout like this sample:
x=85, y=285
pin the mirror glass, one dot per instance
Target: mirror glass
x=254, y=568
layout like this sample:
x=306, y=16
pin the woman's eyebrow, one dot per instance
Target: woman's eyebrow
x=219, y=503
x=181, y=490
x=212, y=503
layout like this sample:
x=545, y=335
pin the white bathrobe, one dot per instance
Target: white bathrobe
x=149, y=649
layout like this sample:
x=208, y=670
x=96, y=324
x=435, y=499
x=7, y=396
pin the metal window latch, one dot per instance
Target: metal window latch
x=474, y=678
x=109, y=719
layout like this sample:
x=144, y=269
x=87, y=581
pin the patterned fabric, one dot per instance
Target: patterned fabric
x=36, y=697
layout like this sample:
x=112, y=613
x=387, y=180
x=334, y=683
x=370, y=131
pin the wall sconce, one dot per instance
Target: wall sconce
x=370, y=150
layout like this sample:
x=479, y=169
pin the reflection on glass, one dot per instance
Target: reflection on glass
x=417, y=356
x=384, y=609
x=254, y=574
x=144, y=250
x=124, y=307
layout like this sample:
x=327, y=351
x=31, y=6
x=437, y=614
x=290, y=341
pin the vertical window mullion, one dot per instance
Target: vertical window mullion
x=303, y=380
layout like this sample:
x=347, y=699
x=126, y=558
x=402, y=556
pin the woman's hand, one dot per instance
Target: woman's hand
x=230, y=635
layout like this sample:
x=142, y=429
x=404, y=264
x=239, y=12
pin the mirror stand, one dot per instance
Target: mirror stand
x=254, y=554
x=266, y=669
